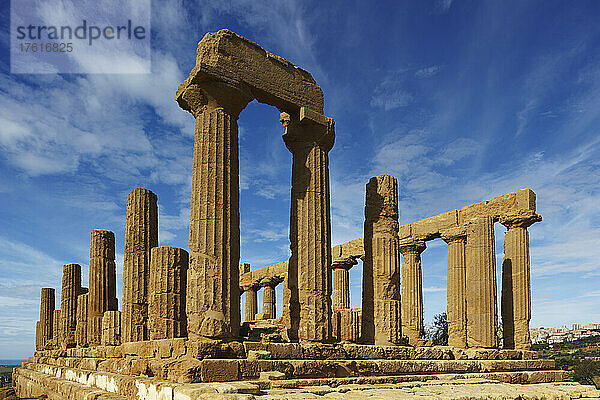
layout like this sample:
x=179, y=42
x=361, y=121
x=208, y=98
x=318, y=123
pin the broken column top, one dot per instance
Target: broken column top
x=230, y=58
x=102, y=243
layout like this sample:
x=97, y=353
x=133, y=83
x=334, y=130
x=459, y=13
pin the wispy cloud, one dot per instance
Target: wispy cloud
x=427, y=72
x=443, y=6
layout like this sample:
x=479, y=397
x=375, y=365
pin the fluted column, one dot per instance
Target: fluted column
x=516, y=281
x=71, y=288
x=348, y=322
x=141, y=235
x=111, y=328
x=269, y=307
x=381, y=312
x=341, y=283
x=456, y=289
x=38, y=336
x=56, y=324
x=47, y=297
x=482, y=316
x=213, y=305
x=102, y=282
x=251, y=303
x=309, y=137
x=82, y=316
x=412, y=290
x=167, y=292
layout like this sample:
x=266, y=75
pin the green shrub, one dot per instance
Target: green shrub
x=585, y=371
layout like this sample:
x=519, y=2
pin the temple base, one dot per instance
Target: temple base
x=162, y=368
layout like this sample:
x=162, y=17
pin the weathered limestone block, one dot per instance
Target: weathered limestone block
x=141, y=235
x=102, y=282
x=516, y=281
x=341, y=282
x=412, y=290
x=482, y=318
x=167, y=292
x=71, y=288
x=228, y=57
x=275, y=271
x=309, y=136
x=381, y=310
x=429, y=228
x=111, y=328
x=521, y=200
x=56, y=323
x=47, y=298
x=353, y=249
x=457, y=287
x=269, y=306
x=213, y=308
x=82, y=316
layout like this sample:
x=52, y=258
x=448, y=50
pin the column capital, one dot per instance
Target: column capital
x=209, y=95
x=457, y=233
x=251, y=286
x=411, y=245
x=271, y=281
x=521, y=219
x=343, y=263
x=306, y=127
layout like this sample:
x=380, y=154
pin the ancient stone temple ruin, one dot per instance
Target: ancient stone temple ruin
x=179, y=329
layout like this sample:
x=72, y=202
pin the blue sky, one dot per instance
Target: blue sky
x=460, y=100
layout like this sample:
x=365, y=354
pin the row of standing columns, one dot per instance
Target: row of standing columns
x=154, y=292
x=156, y=287
x=269, y=310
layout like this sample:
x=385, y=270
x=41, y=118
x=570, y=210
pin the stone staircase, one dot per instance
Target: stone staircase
x=175, y=369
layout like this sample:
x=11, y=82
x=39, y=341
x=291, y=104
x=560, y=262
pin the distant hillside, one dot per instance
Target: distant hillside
x=581, y=357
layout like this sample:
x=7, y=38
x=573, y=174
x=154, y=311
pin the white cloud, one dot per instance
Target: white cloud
x=443, y=6
x=427, y=72
x=389, y=99
x=433, y=289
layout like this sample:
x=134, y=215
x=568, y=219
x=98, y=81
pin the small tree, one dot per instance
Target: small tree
x=585, y=371
x=438, y=331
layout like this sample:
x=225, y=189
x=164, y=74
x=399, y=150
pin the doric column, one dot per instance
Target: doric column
x=269, y=307
x=111, y=328
x=141, y=234
x=213, y=305
x=516, y=289
x=82, y=315
x=381, y=319
x=348, y=322
x=341, y=283
x=412, y=290
x=167, y=291
x=456, y=289
x=38, y=336
x=56, y=323
x=102, y=282
x=251, y=302
x=46, y=316
x=71, y=288
x=482, y=317
x=309, y=136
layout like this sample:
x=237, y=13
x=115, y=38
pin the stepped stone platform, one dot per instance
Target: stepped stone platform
x=181, y=368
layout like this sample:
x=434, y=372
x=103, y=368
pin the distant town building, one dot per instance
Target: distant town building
x=563, y=334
